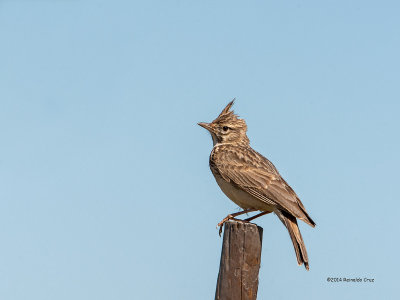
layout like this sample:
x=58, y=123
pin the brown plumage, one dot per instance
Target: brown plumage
x=251, y=180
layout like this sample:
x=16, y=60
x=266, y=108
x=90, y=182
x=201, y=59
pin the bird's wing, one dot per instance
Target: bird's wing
x=253, y=173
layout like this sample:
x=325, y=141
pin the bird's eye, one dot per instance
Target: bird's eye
x=225, y=128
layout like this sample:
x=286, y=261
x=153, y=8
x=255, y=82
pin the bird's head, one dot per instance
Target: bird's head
x=227, y=128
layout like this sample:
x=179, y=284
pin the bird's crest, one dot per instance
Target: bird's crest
x=228, y=116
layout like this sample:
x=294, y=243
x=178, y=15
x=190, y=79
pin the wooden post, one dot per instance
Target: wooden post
x=240, y=262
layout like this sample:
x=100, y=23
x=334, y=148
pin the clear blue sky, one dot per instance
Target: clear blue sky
x=105, y=190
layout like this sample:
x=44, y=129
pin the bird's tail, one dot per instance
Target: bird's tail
x=291, y=224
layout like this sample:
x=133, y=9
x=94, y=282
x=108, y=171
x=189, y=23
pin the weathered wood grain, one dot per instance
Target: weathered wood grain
x=240, y=262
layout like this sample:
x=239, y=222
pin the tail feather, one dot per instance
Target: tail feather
x=291, y=224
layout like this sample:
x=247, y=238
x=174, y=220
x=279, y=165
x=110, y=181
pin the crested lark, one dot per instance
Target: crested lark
x=252, y=181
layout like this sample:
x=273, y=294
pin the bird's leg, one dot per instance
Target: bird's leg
x=232, y=216
x=257, y=215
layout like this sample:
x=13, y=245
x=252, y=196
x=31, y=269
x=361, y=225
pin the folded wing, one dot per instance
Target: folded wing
x=255, y=174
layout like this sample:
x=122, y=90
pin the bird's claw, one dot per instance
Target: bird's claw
x=220, y=224
x=226, y=219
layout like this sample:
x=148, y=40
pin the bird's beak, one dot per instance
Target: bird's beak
x=205, y=125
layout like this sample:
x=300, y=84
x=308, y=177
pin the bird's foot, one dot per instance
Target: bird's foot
x=226, y=219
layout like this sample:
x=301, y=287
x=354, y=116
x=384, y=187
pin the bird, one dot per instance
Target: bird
x=251, y=181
